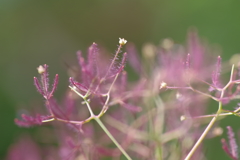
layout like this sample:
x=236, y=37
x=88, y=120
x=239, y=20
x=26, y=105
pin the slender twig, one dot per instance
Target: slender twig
x=199, y=141
x=204, y=133
x=194, y=90
x=112, y=138
x=97, y=117
x=213, y=115
x=84, y=98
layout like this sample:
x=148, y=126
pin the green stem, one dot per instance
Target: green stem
x=213, y=119
x=112, y=138
x=159, y=127
x=204, y=133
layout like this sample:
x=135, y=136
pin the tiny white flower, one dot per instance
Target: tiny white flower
x=163, y=85
x=179, y=96
x=217, y=131
x=182, y=118
x=122, y=41
x=74, y=88
x=41, y=69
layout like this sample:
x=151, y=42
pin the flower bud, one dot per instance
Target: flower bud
x=122, y=41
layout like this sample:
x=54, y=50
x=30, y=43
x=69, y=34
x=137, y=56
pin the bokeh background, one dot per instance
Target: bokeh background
x=50, y=32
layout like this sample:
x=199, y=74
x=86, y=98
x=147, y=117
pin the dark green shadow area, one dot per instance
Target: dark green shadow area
x=8, y=128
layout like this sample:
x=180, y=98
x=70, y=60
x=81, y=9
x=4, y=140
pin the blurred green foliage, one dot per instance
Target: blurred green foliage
x=39, y=32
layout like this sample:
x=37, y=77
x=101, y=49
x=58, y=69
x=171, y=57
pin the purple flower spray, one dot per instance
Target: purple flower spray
x=165, y=106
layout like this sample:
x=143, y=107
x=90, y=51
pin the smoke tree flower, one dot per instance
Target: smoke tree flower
x=231, y=149
x=158, y=116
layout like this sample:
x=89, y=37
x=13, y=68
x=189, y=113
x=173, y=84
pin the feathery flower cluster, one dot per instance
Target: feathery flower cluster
x=164, y=107
x=232, y=150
